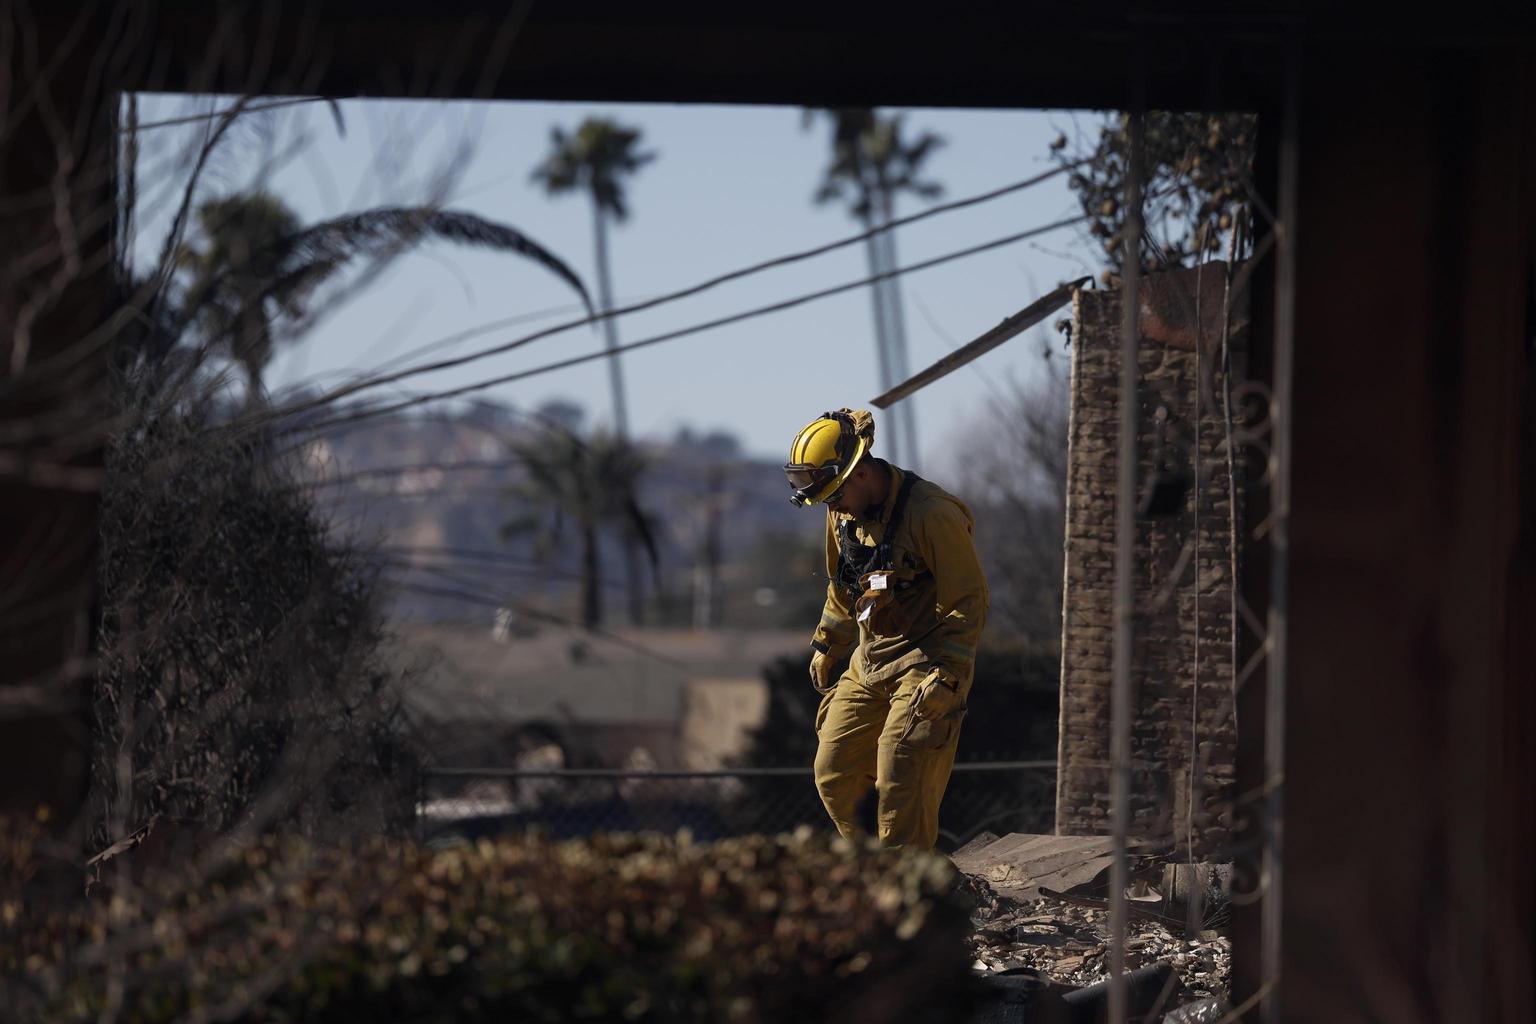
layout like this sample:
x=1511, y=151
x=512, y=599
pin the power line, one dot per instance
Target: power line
x=799, y=300
x=449, y=340
x=695, y=289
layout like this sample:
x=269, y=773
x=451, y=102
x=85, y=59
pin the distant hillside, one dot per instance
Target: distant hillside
x=432, y=492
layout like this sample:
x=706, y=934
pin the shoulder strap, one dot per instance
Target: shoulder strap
x=847, y=566
x=908, y=479
x=851, y=566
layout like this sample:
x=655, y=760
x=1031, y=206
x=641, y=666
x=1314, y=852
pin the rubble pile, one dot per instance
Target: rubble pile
x=1070, y=944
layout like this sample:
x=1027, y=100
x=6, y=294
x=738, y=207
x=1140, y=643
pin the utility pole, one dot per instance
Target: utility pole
x=890, y=376
x=904, y=425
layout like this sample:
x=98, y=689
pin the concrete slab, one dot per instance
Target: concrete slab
x=1018, y=864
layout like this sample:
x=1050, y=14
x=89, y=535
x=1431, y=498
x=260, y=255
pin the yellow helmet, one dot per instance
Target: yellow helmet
x=825, y=451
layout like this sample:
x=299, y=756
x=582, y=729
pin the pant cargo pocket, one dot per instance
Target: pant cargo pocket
x=932, y=734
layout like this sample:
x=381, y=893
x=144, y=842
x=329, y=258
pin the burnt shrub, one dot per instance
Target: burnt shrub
x=241, y=682
x=797, y=927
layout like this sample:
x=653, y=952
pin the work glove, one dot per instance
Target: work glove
x=821, y=672
x=936, y=696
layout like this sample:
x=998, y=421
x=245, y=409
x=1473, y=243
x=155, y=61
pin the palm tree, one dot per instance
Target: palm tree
x=239, y=257
x=586, y=486
x=252, y=264
x=871, y=164
x=596, y=159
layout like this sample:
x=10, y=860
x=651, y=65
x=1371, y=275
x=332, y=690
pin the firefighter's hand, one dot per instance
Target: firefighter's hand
x=936, y=696
x=821, y=672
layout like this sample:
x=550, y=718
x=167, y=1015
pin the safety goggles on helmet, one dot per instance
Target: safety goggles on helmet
x=808, y=481
x=822, y=456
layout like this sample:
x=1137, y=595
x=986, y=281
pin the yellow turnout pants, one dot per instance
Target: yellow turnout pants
x=867, y=735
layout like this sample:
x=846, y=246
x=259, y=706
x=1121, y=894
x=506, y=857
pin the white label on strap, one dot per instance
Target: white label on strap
x=879, y=581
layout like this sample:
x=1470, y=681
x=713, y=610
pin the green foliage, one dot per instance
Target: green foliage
x=583, y=486
x=252, y=264
x=640, y=928
x=242, y=252
x=596, y=158
x=1197, y=182
x=871, y=163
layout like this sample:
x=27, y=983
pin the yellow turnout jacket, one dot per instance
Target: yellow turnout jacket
x=937, y=603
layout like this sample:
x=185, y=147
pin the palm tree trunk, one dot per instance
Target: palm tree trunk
x=906, y=413
x=591, y=577
x=872, y=253
x=610, y=327
x=632, y=577
x=253, y=349
x=634, y=581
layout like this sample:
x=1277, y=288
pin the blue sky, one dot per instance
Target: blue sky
x=730, y=186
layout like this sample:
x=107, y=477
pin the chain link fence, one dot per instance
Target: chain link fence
x=983, y=796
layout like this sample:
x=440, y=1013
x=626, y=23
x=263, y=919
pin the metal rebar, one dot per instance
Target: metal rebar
x=1197, y=468
x=1125, y=554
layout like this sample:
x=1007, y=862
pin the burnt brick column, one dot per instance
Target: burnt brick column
x=1183, y=662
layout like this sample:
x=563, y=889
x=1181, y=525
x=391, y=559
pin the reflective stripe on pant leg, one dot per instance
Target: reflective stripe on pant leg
x=913, y=765
x=848, y=732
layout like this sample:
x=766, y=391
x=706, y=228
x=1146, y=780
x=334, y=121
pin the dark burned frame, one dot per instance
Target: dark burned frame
x=1287, y=66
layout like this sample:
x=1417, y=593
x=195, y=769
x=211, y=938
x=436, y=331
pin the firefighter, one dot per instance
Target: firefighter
x=894, y=653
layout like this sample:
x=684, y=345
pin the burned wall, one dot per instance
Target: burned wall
x=1183, y=727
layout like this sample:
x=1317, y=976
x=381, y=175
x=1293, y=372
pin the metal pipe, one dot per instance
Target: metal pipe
x=1125, y=554
x=1281, y=403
